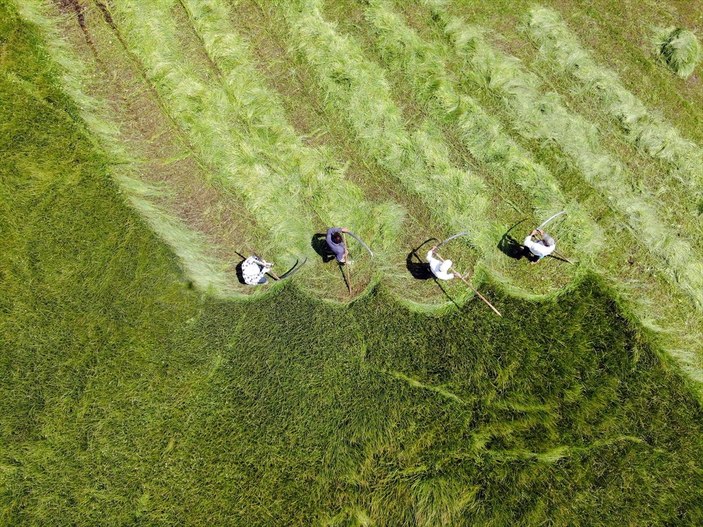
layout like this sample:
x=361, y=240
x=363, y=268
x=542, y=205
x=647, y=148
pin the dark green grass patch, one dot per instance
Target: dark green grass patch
x=128, y=399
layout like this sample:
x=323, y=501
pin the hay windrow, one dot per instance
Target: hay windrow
x=559, y=46
x=679, y=49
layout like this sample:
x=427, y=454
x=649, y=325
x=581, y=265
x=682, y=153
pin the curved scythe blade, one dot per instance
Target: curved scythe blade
x=464, y=233
x=361, y=242
x=544, y=223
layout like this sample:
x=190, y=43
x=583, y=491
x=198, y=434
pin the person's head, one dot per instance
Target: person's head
x=337, y=237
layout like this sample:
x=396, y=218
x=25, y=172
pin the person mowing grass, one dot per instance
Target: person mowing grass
x=254, y=270
x=335, y=242
x=539, y=244
x=438, y=267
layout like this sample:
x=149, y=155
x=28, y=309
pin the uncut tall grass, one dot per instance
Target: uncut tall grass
x=425, y=65
x=545, y=117
x=195, y=255
x=336, y=200
x=207, y=114
x=647, y=131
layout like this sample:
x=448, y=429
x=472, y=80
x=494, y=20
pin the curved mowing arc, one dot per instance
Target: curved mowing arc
x=336, y=200
x=648, y=132
x=204, y=111
x=546, y=118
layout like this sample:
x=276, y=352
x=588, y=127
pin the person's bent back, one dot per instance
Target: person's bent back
x=335, y=242
x=439, y=268
x=541, y=247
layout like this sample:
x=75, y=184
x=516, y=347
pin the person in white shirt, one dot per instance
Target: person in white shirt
x=543, y=246
x=254, y=270
x=439, y=268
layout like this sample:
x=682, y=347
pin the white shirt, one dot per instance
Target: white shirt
x=439, y=268
x=253, y=271
x=537, y=248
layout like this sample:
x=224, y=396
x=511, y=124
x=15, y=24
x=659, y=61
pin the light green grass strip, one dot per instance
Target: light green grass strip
x=207, y=114
x=679, y=49
x=648, y=132
x=545, y=117
x=336, y=200
x=356, y=89
x=425, y=66
x=206, y=272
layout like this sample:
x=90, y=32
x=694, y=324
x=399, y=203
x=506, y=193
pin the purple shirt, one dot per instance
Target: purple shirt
x=337, y=248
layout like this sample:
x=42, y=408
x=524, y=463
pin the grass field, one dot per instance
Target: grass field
x=145, y=144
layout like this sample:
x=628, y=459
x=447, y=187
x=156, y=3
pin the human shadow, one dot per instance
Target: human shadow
x=416, y=267
x=512, y=248
x=240, y=274
x=319, y=245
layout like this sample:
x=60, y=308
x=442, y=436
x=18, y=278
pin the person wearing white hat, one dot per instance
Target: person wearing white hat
x=439, y=268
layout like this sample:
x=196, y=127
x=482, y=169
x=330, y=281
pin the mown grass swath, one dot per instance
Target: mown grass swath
x=424, y=65
x=545, y=116
x=679, y=49
x=205, y=271
x=356, y=89
x=207, y=114
x=647, y=131
x=336, y=200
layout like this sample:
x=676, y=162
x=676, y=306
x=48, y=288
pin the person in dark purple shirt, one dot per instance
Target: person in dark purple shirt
x=336, y=243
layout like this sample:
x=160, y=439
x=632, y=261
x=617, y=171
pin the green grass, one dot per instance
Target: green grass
x=679, y=49
x=645, y=130
x=335, y=200
x=202, y=109
x=129, y=398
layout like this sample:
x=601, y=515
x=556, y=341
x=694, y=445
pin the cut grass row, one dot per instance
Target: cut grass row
x=205, y=271
x=545, y=117
x=204, y=111
x=424, y=64
x=357, y=90
x=559, y=46
x=336, y=200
